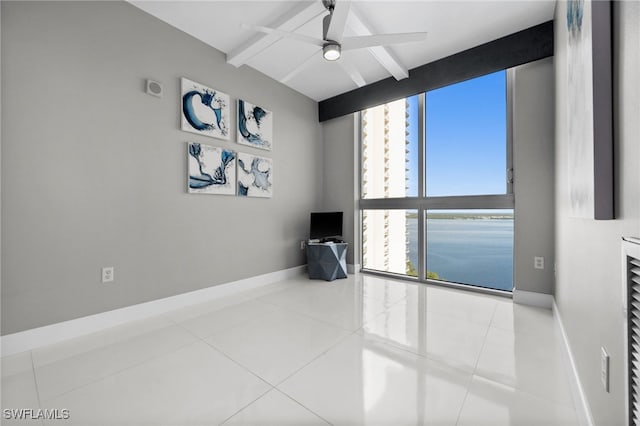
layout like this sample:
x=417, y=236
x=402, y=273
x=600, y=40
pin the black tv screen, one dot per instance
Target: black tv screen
x=325, y=225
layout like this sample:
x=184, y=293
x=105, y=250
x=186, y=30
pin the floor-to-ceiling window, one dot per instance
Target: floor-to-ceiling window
x=436, y=185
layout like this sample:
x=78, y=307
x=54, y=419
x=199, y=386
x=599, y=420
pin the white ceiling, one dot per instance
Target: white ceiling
x=452, y=26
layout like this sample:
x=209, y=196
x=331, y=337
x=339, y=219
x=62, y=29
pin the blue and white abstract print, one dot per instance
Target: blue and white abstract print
x=255, y=176
x=204, y=110
x=212, y=170
x=255, y=125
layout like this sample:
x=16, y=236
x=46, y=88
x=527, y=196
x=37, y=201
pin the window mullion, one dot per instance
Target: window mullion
x=509, y=102
x=422, y=244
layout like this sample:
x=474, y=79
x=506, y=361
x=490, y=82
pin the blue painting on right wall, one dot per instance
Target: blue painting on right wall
x=255, y=126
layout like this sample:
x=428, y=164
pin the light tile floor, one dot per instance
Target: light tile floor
x=362, y=350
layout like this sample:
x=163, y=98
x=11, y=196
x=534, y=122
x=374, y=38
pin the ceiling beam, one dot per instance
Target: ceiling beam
x=383, y=55
x=289, y=21
x=353, y=72
x=515, y=49
x=299, y=68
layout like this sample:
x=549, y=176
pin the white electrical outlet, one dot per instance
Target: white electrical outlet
x=303, y=243
x=604, y=369
x=538, y=262
x=107, y=274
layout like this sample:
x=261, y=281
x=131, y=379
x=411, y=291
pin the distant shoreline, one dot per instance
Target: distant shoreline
x=464, y=216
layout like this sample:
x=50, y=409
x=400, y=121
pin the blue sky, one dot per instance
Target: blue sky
x=466, y=138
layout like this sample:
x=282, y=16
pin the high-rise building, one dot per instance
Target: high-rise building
x=385, y=148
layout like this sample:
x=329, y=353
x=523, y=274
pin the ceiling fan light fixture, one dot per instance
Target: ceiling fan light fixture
x=331, y=51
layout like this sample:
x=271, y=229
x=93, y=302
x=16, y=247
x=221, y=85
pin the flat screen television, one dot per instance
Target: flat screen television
x=325, y=225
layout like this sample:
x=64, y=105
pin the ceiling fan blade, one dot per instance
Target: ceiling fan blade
x=338, y=20
x=293, y=36
x=350, y=43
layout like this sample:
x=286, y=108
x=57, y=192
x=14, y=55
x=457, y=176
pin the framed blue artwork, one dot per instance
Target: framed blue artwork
x=255, y=125
x=212, y=170
x=204, y=110
x=255, y=176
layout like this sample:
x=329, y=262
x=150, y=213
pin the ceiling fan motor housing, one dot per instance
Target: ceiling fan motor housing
x=331, y=51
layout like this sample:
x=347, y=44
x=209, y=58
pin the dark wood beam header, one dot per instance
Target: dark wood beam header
x=516, y=49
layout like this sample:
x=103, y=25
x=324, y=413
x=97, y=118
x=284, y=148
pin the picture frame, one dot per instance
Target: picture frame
x=203, y=110
x=255, y=126
x=590, y=109
x=255, y=176
x=211, y=169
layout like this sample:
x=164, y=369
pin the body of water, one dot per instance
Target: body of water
x=467, y=251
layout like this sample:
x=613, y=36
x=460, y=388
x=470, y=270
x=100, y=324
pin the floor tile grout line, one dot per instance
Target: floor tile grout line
x=302, y=405
x=166, y=316
x=375, y=316
x=427, y=357
x=245, y=406
x=232, y=327
x=296, y=312
x=179, y=323
x=213, y=309
x=35, y=379
x=249, y=299
x=191, y=333
x=484, y=343
x=197, y=340
x=292, y=373
x=464, y=400
x=493, y=314
x=467, y=373
x=341, y=340
x=212, y=345
x=470, y=370
x=278, y=307
x=476, y=373
x=475, y=367
x=444, y=313
x=359, y=331
x=129, y=367
x=324, y=352
x=236, y=362
x=326, y=290
x=224, y=354
x=35, y=383
x=168, y=324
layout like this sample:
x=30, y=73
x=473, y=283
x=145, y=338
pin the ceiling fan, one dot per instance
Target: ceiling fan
x=333, y=42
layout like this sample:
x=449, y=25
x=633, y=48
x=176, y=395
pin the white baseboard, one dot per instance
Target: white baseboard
x=42, y=336
x=579, y=398
x=353, y=268
x=531, y=298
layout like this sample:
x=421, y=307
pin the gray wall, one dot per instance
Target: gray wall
x=588, y=284
x=94, y=170
x=533, y=163
x=341, y=178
